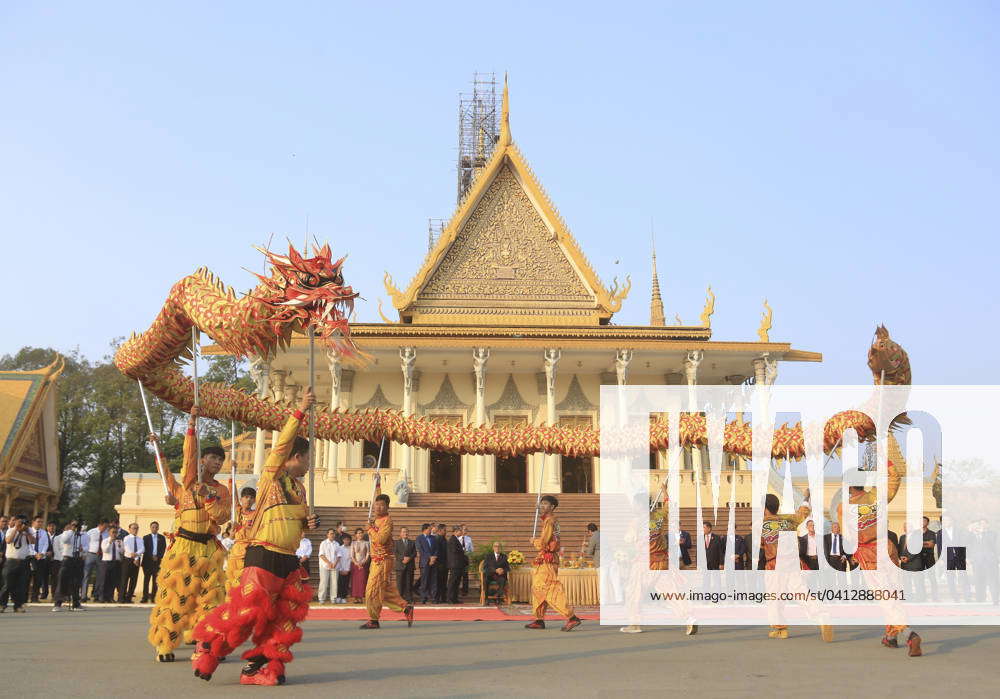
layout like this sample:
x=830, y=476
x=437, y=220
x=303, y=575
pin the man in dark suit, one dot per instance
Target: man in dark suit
x=809, y=548
x=714, y=553
x=430, y=556
x=958, y=586
x=154, y=545
x=405, y=564
x=833, y=548
x=495, y=570
x=441, y=534
x=914, y=563
x=984, y=562
x=684, y=541
x=457, y=563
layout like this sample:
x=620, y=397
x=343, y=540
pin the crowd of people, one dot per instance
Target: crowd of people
x=103, y=563
x=75, y=564
x=441, y=558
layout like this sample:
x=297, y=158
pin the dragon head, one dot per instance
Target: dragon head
x=889, y=357
x=304, y=292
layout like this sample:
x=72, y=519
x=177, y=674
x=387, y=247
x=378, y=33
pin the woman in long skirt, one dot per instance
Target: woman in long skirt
x=360, y=558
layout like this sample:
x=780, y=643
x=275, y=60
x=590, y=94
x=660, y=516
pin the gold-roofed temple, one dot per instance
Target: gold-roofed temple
x=505, y=322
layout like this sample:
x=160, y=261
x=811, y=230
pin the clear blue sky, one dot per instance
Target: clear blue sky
x=840, y=161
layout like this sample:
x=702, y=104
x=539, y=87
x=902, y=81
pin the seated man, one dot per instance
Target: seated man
x=495, y=570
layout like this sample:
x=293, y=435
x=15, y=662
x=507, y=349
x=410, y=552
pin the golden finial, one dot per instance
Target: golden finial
x=505, y=115
x=394, y=293
x=706, y=315
x=765, y=323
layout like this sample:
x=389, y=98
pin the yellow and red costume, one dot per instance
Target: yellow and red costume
x=380, y=589
x=272, y=595
x=191, y=579
x=546, y=589
x=866, y=555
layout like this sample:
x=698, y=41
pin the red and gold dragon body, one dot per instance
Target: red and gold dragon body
x=304, y=292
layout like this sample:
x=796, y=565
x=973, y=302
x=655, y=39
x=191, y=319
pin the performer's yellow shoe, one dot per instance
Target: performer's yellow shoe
x=778, y=633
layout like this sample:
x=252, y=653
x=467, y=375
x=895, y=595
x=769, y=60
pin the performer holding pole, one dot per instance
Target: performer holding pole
x=191, y=581
x=546, y=588
x=273, y=594
x=380, y=589
x=156, y=446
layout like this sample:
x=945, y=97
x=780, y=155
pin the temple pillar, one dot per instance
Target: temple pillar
x=694, y=358
x=260, y=372
x=12, y=493
x=480, y=355
x=407, y=358
x=553, y=482
x=336, y=373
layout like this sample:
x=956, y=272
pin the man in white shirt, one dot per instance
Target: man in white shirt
x=304, y=551
x=20, y=547
x=343, y=565
x=111, y=565
x=327, y=567
x=71, y=547
x=41, y=560
x=133, y=549
x=808, y=549
x=94, y=538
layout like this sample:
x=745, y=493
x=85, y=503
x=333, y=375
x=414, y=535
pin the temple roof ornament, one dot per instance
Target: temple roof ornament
x=706, y=314
x=506, y=257
x=765, y=323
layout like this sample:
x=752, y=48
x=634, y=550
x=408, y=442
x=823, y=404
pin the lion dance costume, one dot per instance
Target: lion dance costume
x=272, y=595
x=191, y=578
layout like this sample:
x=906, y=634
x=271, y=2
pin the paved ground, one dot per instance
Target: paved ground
x=103, y=652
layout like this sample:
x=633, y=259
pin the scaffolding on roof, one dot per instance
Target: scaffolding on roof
x=478, y=129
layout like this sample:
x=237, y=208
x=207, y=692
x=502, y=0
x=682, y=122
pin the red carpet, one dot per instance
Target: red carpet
x=470, y=613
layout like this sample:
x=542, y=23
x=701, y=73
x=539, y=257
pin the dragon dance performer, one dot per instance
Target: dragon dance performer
x=380, y=589
x=783, y=581
x=658, y=560
x=273, y=594
x=546, y=589
x=191, y=580
x=866, y=555
x=244, y=517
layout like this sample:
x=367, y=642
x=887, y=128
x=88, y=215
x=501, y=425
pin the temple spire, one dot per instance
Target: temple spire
x=505, y=116
x=656, y=318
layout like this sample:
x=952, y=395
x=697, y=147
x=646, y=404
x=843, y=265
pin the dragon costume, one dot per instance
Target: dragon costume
x=303, y=293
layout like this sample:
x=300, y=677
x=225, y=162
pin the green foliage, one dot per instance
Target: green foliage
x=102, y=429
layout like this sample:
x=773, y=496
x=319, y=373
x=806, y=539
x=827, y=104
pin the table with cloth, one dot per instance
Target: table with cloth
x=581, y=585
